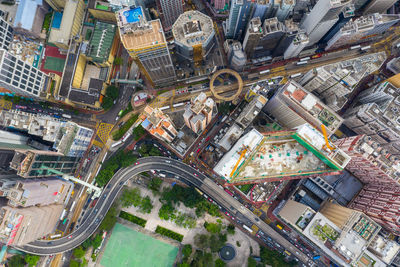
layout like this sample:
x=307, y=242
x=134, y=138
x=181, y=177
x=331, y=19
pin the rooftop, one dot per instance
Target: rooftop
x=137, y=33
x=192, y=28
x=61, y=31
x=101, y=41
x=281, y=154
x=296, y=96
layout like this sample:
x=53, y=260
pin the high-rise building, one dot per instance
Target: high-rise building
x=170, y=11
x=298, y=43
x=7, y=33
x=252, y=36
x=378, y=6
x=334, y=82
x=262, y=8
x=198, y=113
x=19, y=77
x=68, y=138
x=277, y=156
x=251, y=110
x=321, y=18
x=344, y=17
x=57, y=5
x=236, y=57
x=19, y=226
x=220, y=4
x=37, y=163
x=29, y=18
x=379, y=171
x=369, y=162
x=145, y=42
x=194, y=35
x=285, y=9
x=362, y=29
x=158, y=124
x=380, y=202
x=348, y=237
x=293, y=106
x=239, y=15
x=377, y=115
x=70, y=23
x=40, y=192
x=273, y=32
x=291, y=30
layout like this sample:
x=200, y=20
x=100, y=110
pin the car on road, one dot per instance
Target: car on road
x=137, y=163
x=69, y=237
x=195, y=174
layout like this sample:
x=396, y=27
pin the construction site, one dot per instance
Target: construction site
x=281, y=155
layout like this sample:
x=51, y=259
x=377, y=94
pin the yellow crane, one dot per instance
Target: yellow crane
x=237, y=163
x=323, y=128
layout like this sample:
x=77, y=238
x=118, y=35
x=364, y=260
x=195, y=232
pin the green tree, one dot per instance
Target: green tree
x=167, y=211
x=87, y=244
x=251, y=262
x=187, y=250
x=154, y=151
x=138, y=132
x=131, y=197
x=16, y=261
x=230, y=229
x=109, y=220
x=146, y=206
x=32, y=260
x=155, y=184
x=79, y=252
x=112, y=92
x=74, y=263
x=219, y=263
x=97, y=240
x=213, y=227
x=107, y=103
x=184, y=264
x=201, y=241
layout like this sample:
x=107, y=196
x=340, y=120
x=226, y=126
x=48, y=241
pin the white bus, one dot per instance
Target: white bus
x=178, y=104
x=55, y=236
x=302, y=63
x=355, y=47
x=295, y=75
x=164, y=108
x=264, y=71
x=247, y=228
x=63, y=214
x=72, y=206
x=305, y=59
x=66, y=116
x=116, y=143
x=365, y=48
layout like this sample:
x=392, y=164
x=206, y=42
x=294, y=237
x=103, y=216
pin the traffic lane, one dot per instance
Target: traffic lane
x=102, y=206
x=115, y=185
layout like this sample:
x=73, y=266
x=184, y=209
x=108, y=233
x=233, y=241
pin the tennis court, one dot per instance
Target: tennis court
x=54, y=63
x=127, y=247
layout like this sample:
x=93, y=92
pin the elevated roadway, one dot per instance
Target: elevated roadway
x=182, y=172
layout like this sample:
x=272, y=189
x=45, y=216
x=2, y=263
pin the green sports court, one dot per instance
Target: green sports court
x=54, y=63
x=126, y=247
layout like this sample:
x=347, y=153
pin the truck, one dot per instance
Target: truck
x=316, y=257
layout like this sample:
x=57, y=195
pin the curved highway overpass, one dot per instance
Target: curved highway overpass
x=182, y=172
